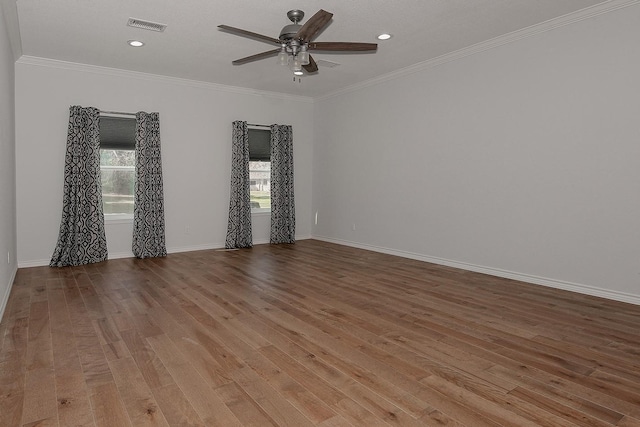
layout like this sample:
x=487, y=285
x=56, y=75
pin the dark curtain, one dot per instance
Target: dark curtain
x=239, y=225
x=283, y=212
x=148, y=207
x=81, y=239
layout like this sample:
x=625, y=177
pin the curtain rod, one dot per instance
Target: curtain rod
x=260, y=126
x=117, y=112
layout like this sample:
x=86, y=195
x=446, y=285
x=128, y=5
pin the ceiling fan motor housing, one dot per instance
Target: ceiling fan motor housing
x=289, y=31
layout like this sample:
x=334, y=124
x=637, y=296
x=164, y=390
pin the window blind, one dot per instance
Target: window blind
x=259, y=145
x=117, y=133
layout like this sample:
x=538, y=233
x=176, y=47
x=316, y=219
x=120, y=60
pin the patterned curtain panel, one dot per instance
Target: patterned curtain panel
x=82, y=238
x=148, y=207
x=283, y=211
x=239, y=225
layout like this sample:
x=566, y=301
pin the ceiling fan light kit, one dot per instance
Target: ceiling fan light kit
x=295, y=42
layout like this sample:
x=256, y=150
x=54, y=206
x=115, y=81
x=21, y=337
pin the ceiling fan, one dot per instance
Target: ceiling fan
x=296, y=40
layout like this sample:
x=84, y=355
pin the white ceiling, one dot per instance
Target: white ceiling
x=95, y=32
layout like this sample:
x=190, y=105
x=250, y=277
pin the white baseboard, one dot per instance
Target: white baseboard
x=170, y=250
x=178, y=249
x=119, y=255
x=220, y=245
x=34, y=263
x=5, y=297
x=536, y=280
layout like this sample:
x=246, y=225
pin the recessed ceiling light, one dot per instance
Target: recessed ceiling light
x=135, y=43
x=384, y=36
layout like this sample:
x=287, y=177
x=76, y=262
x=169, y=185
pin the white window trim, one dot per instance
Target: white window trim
x=118, y=218
x=117, y=167
x=260, y=211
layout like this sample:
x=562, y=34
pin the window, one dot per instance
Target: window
x=260, y=170
x=117, y=166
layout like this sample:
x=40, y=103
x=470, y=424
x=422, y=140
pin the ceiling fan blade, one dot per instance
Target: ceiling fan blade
x=246, y=33
x=311, y=67
x=316, y=23
x=343, y=46
x=255, y=57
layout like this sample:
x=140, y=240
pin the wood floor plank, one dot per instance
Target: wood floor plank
x=582, y=416
x=45, y=422
x=108, y=408
x=12, y=374
x=74, y=407
x=192, y=350
x=337, y=400
x=40, y=391
x=278, y=409
x=94, y=363
x=204, y=399
x=176, y=407
x=629, y=422
x=477, y=401
x=16, y=334
x=188, y=325
x=297, y=395
x=151, y=367
x=116, y=350
x=572, y=396
x=74, y=404
x=335, y=421
x=136, y=394
x=361, y=366
x=359, y=402
x=243, y=406
x=310, y=334
x=40, y=396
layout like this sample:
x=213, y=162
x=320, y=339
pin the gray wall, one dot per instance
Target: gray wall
x=7, y=166
x=195, y=127
x=521, y=161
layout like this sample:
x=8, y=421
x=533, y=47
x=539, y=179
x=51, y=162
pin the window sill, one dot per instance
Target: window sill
x=118, y=219
x=261, y=211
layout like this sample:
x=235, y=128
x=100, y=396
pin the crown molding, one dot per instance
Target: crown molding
x=116, y=72
x=561, y=21
x=10, y=12
x=514, y=36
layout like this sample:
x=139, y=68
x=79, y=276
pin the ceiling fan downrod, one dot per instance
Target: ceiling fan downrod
x=293, y=51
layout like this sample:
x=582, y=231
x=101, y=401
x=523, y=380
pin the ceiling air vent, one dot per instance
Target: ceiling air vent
x=146, y=25
x=325, y=63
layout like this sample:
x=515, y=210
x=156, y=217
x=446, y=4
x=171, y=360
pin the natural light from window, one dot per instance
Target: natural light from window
x=260, y=186
x=117, y=168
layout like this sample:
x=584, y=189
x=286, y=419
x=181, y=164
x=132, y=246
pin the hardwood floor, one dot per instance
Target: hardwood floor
x=310, y=334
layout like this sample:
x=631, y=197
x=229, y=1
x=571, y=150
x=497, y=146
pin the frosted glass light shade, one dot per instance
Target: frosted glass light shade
x=297, y=66
x=303, y=56
x=283, y=58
